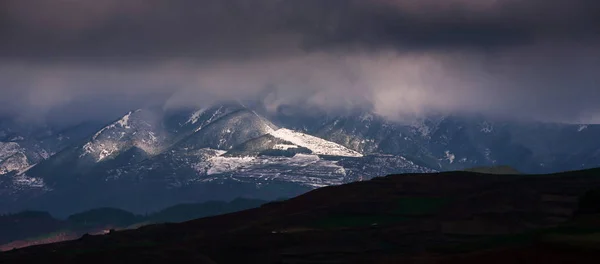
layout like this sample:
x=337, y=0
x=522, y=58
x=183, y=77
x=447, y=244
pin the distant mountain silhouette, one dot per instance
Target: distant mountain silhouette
x=31, y=227
x=451, y=217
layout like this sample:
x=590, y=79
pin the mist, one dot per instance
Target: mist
x=87, y=59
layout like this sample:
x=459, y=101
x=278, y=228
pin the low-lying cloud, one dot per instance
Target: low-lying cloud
x=399, y=58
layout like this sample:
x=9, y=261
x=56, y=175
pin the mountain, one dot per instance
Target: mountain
x=23, y=145
x=450, y=217
x=229, y=130
x=454, y=142
x=35, y=228
x=29, y=224
x=149, y=159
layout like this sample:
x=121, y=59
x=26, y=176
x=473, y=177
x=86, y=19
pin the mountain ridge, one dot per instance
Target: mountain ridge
x=243, y=151
x=35, y=228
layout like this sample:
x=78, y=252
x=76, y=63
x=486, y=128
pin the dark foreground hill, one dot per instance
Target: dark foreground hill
x=453, y=217
x=36, y=228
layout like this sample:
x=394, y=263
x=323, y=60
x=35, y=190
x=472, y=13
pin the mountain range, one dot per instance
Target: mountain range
x=34, y=228
x=152, y=158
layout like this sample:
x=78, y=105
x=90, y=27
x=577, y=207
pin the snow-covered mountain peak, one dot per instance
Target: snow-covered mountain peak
x=135, y=129
x=124, y=121
x=225, y=128
x=317, y=145
x=200, y=118
x=121, y=123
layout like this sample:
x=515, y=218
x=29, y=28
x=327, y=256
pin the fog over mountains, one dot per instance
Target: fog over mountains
x=148, y=159
x=397, y=58
x=150, y=110
x=144, y=104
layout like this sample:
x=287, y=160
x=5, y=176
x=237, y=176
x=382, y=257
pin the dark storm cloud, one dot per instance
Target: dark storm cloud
x=139, y=29
x=134, y=28
x=530, y=58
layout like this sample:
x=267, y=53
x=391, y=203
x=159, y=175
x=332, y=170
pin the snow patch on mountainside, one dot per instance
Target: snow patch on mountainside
x=129, y=131
x=22, y=146
x=487, y=127
x=195, y=117
x=123, y=122
x=44, y=154
x=12, y=157
x=8, y=149
x=309, y=170
x=101, y=149
x=214, y=117
x=17, y=162
x=366, y=117
x=25, y=181
x=316, y=145
x=284, y=146
x=450, y=157
x=17, y=138
x=228, y=164
x=421, y=128
x=222, y=164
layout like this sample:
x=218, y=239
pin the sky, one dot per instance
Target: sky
x=399, y=58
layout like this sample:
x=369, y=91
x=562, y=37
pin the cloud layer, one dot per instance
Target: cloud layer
x=533, y=59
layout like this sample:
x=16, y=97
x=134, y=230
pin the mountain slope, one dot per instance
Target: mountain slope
x=317, y=145
x=132, y=130
x=457, y=142
x=148, y=160
x=401, y=218
x=228, y=131
x=24, y=145
x=153, y=158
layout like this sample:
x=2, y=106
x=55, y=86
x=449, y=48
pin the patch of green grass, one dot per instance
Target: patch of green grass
x=419, y=205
